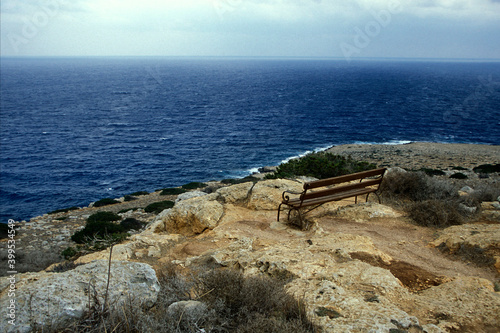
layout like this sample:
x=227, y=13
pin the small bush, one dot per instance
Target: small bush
x=234, y=181
x=139, y=193
x=131, y=224
x=486, y=192
x=98, y=230
x=172, y=191
x=69, y=252
x=458, y=175
x=100, y=226
x=158, y=207
x=320, y=165
x=194, y=185
x=416, y=186
x=436, y=213
x=105, y=202
x=433, y=172
x=128, y=198
x=103, y=217
x=64, y=210
x=487, y=168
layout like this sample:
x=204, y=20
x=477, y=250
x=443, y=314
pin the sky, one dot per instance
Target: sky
x=252, y=28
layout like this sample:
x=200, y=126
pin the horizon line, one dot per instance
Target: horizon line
x=441, y=59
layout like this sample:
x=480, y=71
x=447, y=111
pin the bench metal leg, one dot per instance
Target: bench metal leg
x=279, y=209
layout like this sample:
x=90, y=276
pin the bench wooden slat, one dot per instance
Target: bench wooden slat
x=343, y=179
x=337, y=196
x=339, y=189
x=366, y=185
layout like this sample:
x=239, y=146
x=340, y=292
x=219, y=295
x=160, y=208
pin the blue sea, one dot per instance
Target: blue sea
x=75, y=130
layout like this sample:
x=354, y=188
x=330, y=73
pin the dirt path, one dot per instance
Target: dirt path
x=408, y=243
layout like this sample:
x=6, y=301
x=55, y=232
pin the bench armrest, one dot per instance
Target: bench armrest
x=286, y=197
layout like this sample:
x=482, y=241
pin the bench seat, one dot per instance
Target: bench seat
x=322, y=191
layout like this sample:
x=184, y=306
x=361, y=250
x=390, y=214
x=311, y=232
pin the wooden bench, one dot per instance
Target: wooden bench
x=318, y=192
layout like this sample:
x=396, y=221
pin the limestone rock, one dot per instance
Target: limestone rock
x=193, y=216
x=266, y=195
x=187, y=310
x=482, y=236
x=366, y=211
x=189, y=195
x=235, y=193
x=55, y=299
x=455, y=304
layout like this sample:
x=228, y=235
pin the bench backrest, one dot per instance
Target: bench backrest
x=378, y=173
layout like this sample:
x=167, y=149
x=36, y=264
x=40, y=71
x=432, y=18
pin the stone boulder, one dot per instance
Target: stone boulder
x=475, y=239
x=366, y=211
x=57, y=298
x=267, y=194
x=189, y=195
x=192, y=216
x=236, y=193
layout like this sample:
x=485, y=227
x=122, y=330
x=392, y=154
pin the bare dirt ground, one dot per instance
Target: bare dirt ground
x=408, y=243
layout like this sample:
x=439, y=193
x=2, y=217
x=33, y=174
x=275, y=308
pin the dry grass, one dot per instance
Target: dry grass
x=231, y=302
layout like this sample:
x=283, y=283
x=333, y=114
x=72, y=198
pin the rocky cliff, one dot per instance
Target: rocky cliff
x=359, y=268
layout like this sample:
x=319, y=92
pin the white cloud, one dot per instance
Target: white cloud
x=257, y=27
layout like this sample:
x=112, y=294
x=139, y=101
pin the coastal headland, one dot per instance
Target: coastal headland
x=359, y=266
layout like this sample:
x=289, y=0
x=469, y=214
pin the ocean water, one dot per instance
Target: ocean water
x=75, y=130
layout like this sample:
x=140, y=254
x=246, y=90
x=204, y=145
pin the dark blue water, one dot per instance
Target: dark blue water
x=78, y=130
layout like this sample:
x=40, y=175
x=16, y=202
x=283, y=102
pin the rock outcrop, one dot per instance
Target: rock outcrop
x=55, y=298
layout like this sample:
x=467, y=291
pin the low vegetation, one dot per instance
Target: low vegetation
x=194, y=186
x=64, y=210
x=103, y=226
x=158, y=207
x=224, y=301
x=105, y=202
x=434, y=202
x=320, y=165
x=172, y=191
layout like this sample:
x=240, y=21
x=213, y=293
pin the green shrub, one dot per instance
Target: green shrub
x=105, y=202
x=433, y=172
x=131, y=224
x=487, y=168
x=100, y=226
x=64, y=210
x=194, y=185
x=158, y=207
x=172, y=191
x=458, y=175
x=103, y=217
x=98, y=230
x=69, y=252
x=234, y=181
x=139, y=193
x=320, y=165
x=128, y=198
